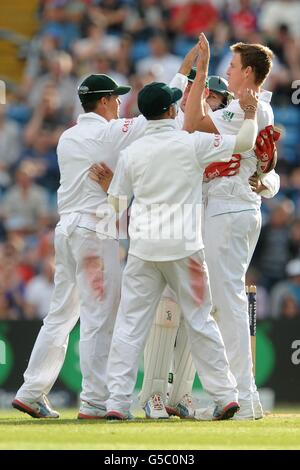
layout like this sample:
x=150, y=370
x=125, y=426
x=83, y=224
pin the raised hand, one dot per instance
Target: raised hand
x=102, y=174
x=248, y=100
x=203, y=54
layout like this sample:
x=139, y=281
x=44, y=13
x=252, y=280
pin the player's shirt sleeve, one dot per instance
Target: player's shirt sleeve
x=229, y=119
x=179, y=81
x=272, y=182
x=179, y=120
x=125, y=131
x=213, y=147
x=121, y=184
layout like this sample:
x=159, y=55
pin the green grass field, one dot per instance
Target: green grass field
x=280, y=430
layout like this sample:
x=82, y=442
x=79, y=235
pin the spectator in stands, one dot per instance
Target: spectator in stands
x=188, y=19
x=161, y=63
x=39, y=291
x=253, y=277
x=292, y=188
x=285, y=296
x=272, y=251
x=287, y=51
x=294, y=244
x=59, y=68
x=41, y=136
x=146, y=17
x=243, y=20
x=275, y=13
x=113, y=37
x=10, y=147
x=96, y=42
x=58, y=17
x=25, y=203
x=11, y=285
x=112, y=13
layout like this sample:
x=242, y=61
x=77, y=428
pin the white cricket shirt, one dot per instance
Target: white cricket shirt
x=163, y=170
x=232, y=194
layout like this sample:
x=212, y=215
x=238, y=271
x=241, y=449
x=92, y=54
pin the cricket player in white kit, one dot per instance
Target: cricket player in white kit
x=168, y=324
x=233, y=220
x=161, y=171
x=87, y=274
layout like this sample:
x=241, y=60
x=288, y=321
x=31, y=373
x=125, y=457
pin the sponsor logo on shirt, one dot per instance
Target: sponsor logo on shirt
x=126, y=125
x=217, y=141
x=227, y=116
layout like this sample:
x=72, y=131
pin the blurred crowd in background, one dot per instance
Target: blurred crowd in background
x=136, y=42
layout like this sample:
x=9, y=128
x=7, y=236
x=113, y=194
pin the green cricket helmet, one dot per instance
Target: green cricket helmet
x=220, y=85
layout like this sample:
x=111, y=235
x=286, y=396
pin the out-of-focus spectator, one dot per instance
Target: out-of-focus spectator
x=25, y=204
x=39, y=290
x=294, y=244
x=278, y=76
x=96, y=42
x=11, y=285
x=61, y=17
x=129, y=105
x=41, y=136
x=191, y=17
x=10, y=147
x=102, y=63
x=145, y=17
x=112, y=13
x=287, y=52
x=6, y=312
x=59, y=74
x=275, y=13
x=41, y=47
x=161, y=63
x=272, y=251
x=285, y=296
x=79, y=37
x=243, y=20
x=188, y=19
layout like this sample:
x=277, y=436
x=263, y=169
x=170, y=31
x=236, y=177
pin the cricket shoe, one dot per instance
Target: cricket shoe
x=245, y=412
x=155, y=408
x=115, y=415
x=258, y=409
x=37, y=409
x=184, y=409
x=217, y=413
x=89, y=411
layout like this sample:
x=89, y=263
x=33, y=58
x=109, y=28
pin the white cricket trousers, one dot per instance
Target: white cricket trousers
x=142, y=286
x=87, y=283
x=230, y=240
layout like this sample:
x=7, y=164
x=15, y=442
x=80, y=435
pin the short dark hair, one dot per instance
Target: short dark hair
x=157, y=118
x=90, y=106
x=257, y=56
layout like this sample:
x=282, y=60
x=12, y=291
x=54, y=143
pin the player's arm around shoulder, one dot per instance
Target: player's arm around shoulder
x=120, y=191
x=124, y=131
x=266, y=185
